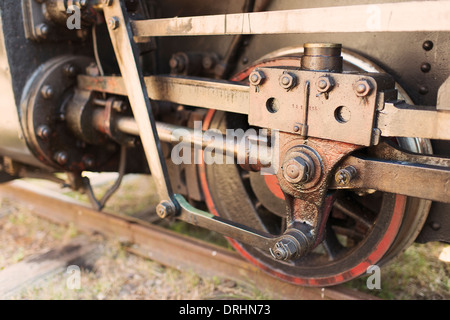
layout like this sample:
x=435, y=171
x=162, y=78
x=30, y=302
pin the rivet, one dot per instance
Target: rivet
x=427, y=45
x=425, y=67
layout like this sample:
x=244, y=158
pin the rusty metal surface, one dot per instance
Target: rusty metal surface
x=164, y=246
x=339, y=114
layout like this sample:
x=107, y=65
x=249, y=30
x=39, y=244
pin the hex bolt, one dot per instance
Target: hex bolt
x=47, y=92
x=44, y=132
x=165, y=209
x=113, y=23
x=42, y=30
x=62, y=157
x=177, y=63
x=296, y=170
x=119, y=106
x=325, y=84
x=288, y=80
x=70, y=70
x=256, y=77
x=363, y=88
x=345, y=175
x=286, y=249
x=89, y=162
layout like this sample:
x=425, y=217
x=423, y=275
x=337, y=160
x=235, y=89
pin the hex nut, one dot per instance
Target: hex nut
x=325, y=84
x=62, y=157
x=42, y=30
x=288, y=80
x=345, y=175
x=47, y=92
x=165, y=209
x=296, y=170
x=256, y=77
x=113, y=23
x=363, y=88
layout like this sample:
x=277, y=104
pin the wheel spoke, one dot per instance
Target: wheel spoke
x=331, y=244
x=355, y=211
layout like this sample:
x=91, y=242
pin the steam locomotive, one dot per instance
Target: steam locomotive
x=315, y=137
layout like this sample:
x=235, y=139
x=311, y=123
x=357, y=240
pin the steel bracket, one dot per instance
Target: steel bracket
x=334, y=106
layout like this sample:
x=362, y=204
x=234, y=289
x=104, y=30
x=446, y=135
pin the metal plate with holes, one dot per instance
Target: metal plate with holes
x=336, y=112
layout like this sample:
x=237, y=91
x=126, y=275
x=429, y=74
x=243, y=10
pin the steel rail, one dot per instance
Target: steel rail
x=388, y=17
x=164, y=246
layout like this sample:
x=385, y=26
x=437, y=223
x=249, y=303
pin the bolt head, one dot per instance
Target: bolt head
x=256, y=77
x=113, y=23
x=285, y=249
x=62, y=157
x=89, y=162
x=42, y=30
x=70, y=70
x=288, y=80
x=344, y=176
x=47, y=92
x=324, y=84
x=165, y=209
x=296, y=170
x=363, y=88
x=177, y=63
x=44, y=132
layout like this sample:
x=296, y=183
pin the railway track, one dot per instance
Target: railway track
x=165, y=246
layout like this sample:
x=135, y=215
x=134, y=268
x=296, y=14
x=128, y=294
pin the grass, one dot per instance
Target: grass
x=416, y=274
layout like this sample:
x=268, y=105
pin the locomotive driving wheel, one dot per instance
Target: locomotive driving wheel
x=364, y=228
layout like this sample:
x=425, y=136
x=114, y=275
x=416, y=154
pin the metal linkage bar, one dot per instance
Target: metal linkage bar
x=396, y=171
x=127, y=58
x=388, y=17
x=218, y=95
x=426, y=182
x=403, y=120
